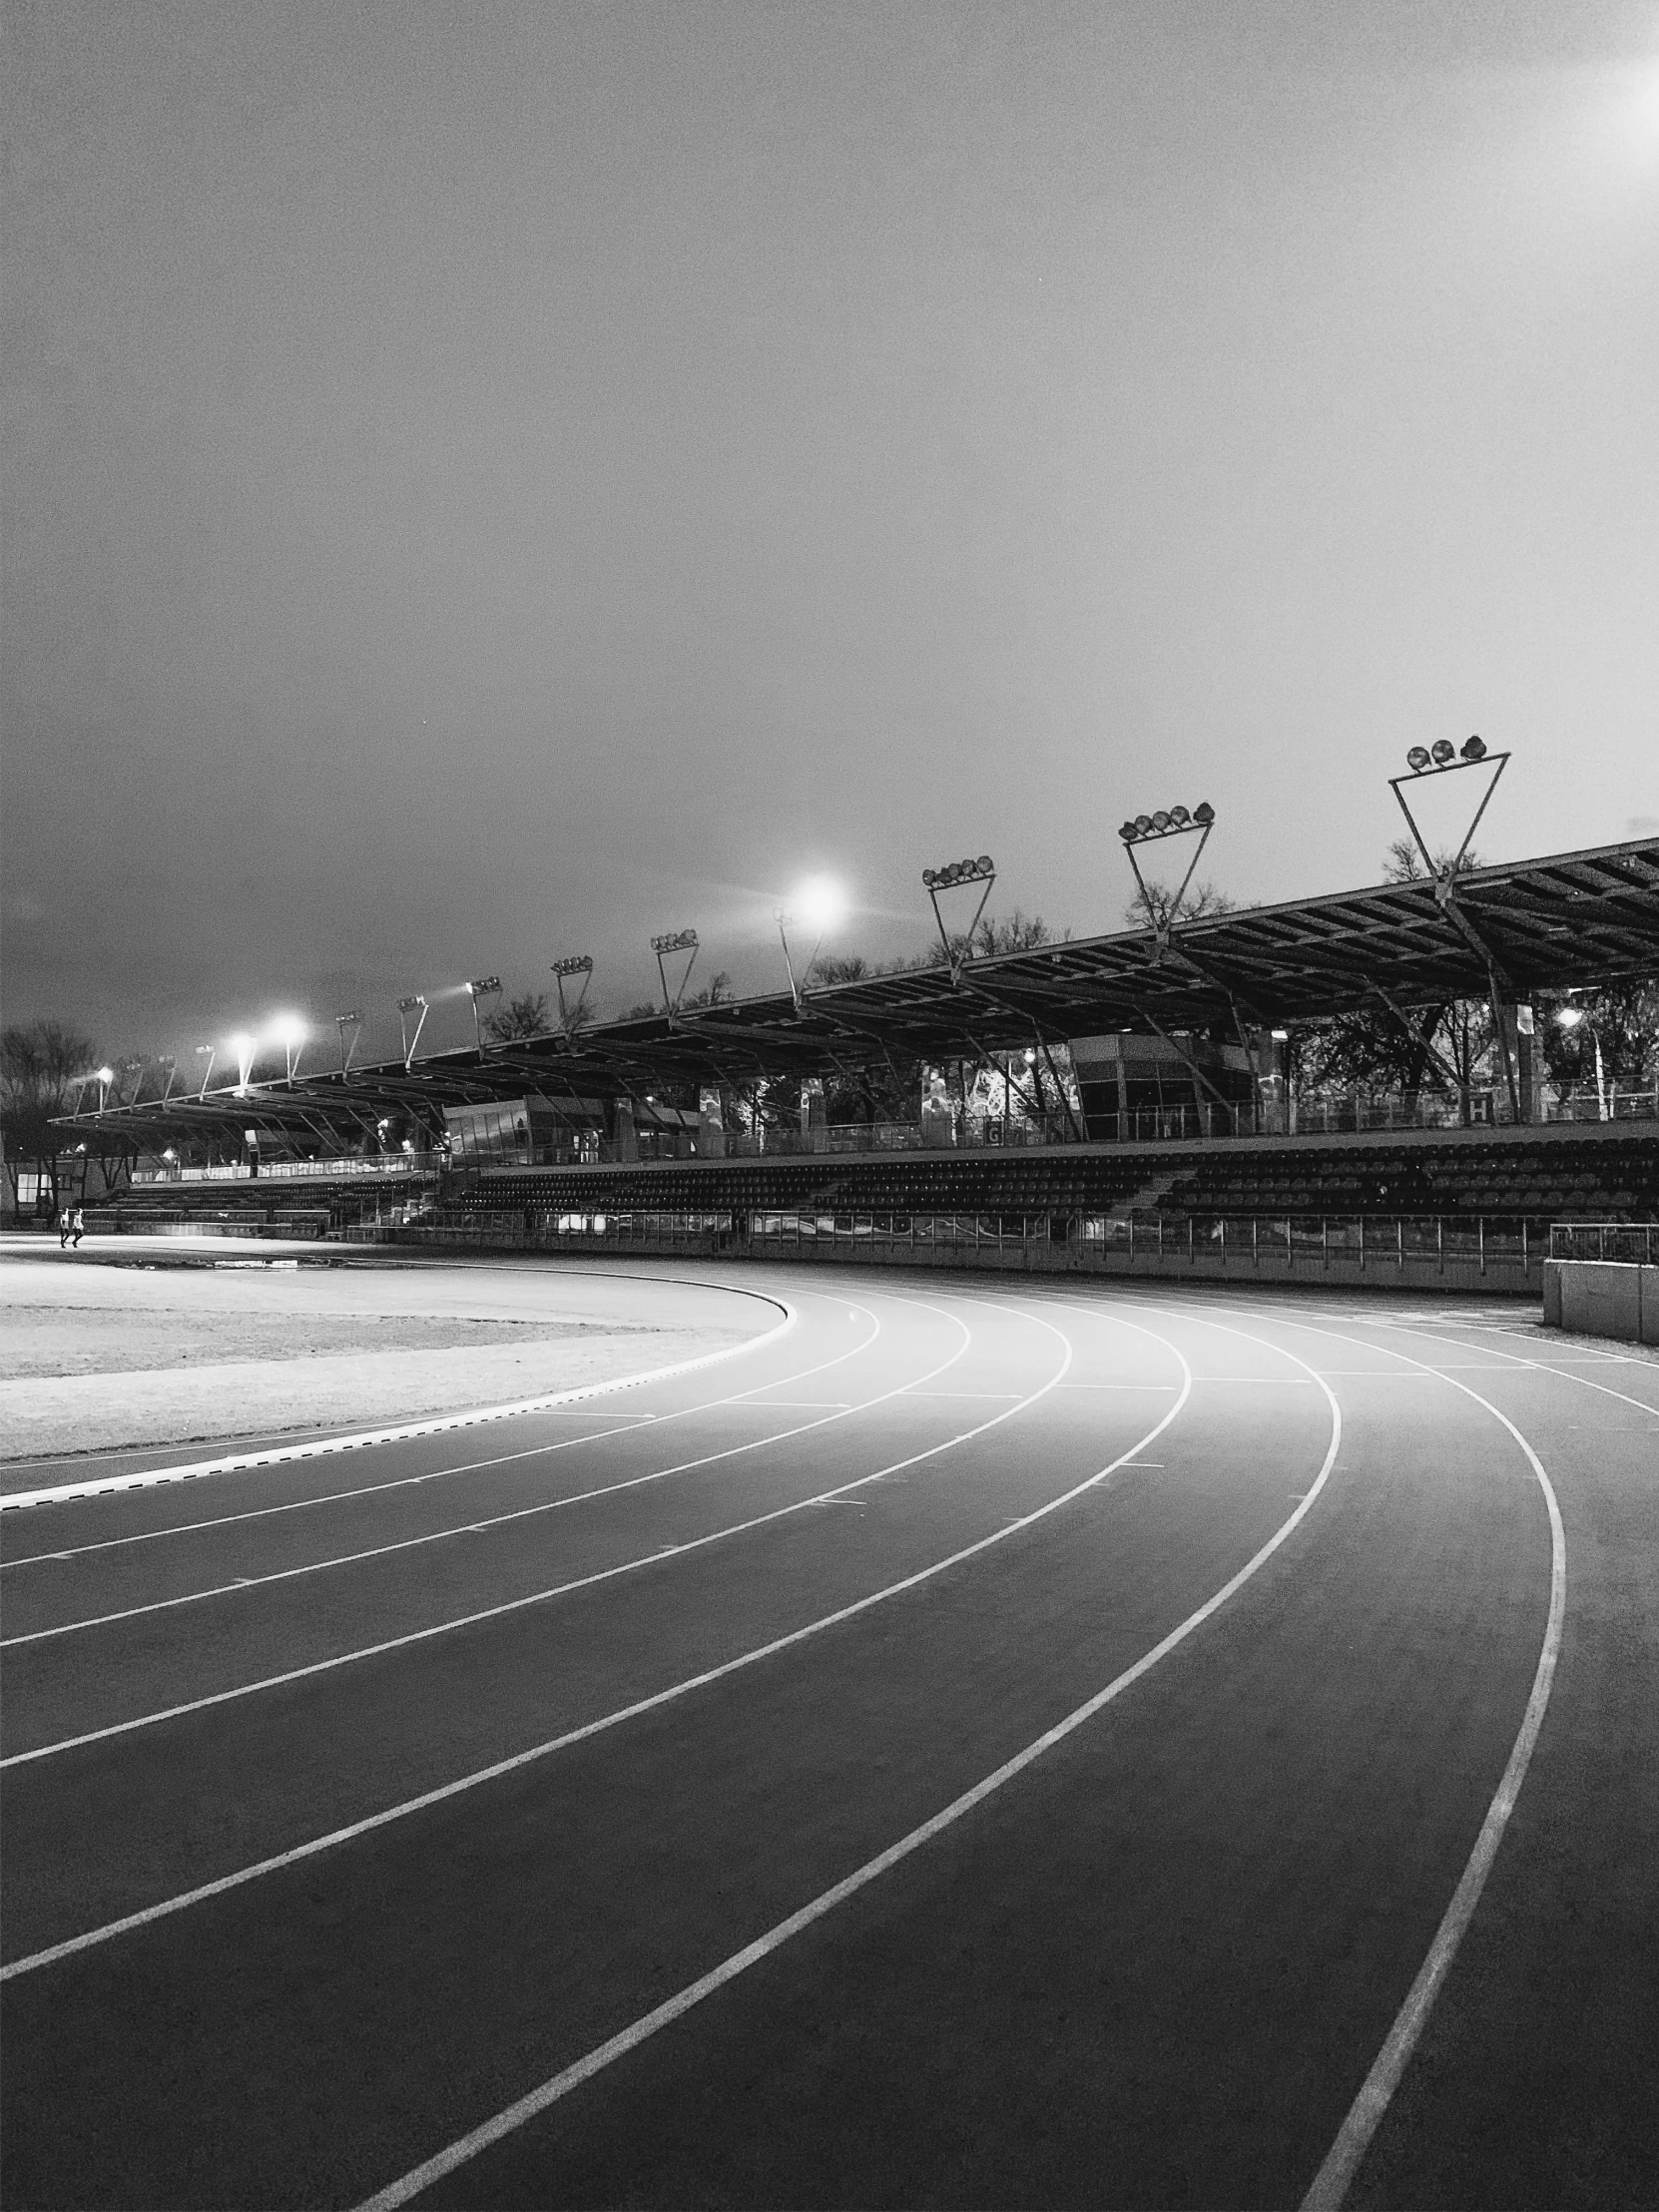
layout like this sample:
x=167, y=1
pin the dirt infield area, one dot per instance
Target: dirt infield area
x=107, y=1349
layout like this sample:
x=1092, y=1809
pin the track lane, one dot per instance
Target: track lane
x=907, y=1667
x=863, y=2043
x=353, y=1735
x=1176, y=1917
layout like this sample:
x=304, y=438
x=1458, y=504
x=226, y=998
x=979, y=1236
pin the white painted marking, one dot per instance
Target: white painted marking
x=515, y=2115
x=626, y=1424
x=562, y=1589
x=469, y=1528
x=325, y=1448
x=448, y=1790
x=1341, y=2162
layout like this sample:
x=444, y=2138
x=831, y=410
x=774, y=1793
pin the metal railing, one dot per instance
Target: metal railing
x=1633, y=1242
x=392, y=1163
x=1510, y=1245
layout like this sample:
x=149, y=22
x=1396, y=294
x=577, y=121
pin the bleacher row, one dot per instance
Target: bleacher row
x=1596, y=1179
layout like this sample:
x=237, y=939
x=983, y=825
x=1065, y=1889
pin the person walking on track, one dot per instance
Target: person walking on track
x=78, y=1229
x=66, y=1222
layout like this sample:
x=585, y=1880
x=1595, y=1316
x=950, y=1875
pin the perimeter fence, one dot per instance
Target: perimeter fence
x=1507, y=1249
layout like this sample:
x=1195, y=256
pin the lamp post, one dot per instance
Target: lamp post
x=207, y=1054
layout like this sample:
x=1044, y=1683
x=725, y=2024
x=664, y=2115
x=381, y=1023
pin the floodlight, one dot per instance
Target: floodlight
x=1439, y=761
x=1160, y=820
x=670, y=942
x=820, y=902
x=1569, y=1017
x=170, y=1154
x=288, y=1029
x=1203, y=812
x=1180, y=817
x=482, y=986
x=1143, y=822
x=105, y=1075
x=415, y=1004
x=1280, y=1036
x=579, y=963
x=1127, y=832
x=981, y=871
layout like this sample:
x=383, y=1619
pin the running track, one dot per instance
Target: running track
x=994, y=1743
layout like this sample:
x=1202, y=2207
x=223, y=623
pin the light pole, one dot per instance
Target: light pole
x=1569, y=1018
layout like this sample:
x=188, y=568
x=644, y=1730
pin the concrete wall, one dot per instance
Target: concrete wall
x=1602, y=1297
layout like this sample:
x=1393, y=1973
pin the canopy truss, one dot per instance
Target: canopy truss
x=1574, y=919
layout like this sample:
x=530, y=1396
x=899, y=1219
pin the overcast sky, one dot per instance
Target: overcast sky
x=487, y=482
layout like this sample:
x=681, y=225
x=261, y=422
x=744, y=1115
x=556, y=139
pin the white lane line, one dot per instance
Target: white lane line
x=539, y=1597
x=525, y=2108
x=626, y=1426
x=472, y=1528
x=1119, y=1386
x=325, y=1448
x=74, y=1943
x=1341, y=2162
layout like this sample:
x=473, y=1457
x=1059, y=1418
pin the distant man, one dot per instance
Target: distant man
x=79, y=1227
x=66, y=1223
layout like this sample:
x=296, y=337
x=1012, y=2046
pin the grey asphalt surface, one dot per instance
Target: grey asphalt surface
x=1152, y=1967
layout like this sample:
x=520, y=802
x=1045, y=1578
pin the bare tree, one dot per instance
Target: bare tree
x=524, y=1016
x=1157, y=907
x=42, y=1064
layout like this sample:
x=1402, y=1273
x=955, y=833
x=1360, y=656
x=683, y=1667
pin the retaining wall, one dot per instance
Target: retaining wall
x=1603, y=1297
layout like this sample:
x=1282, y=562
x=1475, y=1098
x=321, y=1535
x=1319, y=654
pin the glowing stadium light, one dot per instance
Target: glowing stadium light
x=954, y=874
x=666, y=946
x=416, y=1004
x=241, y=1048
x=819, y=903
x=1444, y=758
x=482, y=986
x=289, y=1032
x=105, y=1075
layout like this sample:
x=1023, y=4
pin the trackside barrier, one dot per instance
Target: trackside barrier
x=1602, y=1280
x=1496, y=1253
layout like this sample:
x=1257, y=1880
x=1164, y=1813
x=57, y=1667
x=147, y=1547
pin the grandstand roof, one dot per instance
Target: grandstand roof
x=1573, y=919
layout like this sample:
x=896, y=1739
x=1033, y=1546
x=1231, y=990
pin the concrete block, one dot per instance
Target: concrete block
x=1602, y=1297
x=1552, y=1293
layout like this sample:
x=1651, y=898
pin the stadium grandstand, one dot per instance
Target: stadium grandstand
x=1127, y=1098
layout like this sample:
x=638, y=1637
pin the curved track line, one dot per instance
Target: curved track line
x=540, y=1597
x=633, y=1425
x=525, y=2108
x=606, y=1721
x=522, y=1512
x=1353, y=2138
x=236, y=1463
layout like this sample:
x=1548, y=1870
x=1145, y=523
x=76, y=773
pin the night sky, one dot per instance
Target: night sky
x=490, y=481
